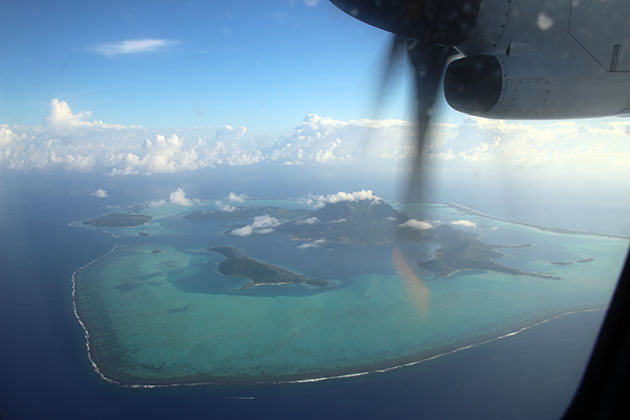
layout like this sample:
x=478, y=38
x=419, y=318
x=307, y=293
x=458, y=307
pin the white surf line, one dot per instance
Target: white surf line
x=549, y=229
x=76, y=315
x=466, y=347
x=109, y=233
x=69, y=224
x=354, y=374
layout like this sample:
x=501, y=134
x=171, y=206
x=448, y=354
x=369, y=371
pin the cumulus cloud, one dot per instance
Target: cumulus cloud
x=326, y=141
x=343, y=219
x=534, y=144
x=236, y=198
x=416, y=224
x=60, y=116
x=73, y=141
x=261, y=225
x=100, y=193
x=224, y=207
x=179, y=197
x=314, y=244
x=132, y=46
x=464, y=223
x=309, y=221
x=321, y=200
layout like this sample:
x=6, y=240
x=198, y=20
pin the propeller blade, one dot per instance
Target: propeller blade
x=394, y=57
x=428, y=61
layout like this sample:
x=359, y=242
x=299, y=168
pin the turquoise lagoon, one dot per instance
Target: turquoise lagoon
x=157, y=312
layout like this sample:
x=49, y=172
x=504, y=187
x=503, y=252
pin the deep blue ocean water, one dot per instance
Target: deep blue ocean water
x=45, y=373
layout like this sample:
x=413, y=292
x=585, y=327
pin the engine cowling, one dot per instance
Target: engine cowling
x=533, y=87
x=445, y=22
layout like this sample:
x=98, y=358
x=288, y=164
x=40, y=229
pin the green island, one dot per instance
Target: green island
x=585, y=260
x=363, y=222
x=261, y=274
x=461, y=251
x=119, y=220
x=562, y=263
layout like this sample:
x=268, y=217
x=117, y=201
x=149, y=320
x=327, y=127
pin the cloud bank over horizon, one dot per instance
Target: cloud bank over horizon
x=73, y=142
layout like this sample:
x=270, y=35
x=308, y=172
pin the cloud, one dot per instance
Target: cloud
x=417, y=225
x=161, y=155
x=224, y=207
x=100, y=193
x=309, y=221
x=464, y=223
x=602, y=143
x=261, y=225
x=320, y=140
x=132, y=46
x=311, y=3
x=179, y=197
x=320, y=200
x=343, y=219
x=60, y=116
x=236, y=198
x=74, y=142
x=314, y=244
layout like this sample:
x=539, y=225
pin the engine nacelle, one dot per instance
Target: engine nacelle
x=534, y=87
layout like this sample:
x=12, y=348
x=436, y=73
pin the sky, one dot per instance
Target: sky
x=141, y=89
x=182, y=64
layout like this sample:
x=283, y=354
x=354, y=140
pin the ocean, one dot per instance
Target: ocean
x=45, y=372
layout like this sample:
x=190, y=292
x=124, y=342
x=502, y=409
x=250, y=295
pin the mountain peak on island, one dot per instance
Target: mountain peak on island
x=359, y=210
x=360, y=221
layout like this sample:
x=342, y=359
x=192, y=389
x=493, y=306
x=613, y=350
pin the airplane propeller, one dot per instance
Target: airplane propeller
x=426, y=30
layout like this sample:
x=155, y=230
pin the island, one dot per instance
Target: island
x=461, y=251
x=119, y=220
x=260, y=273
x=562, y=263
x=375, y=222
x=143, y=234
x=215, y=308
x=362, y=222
